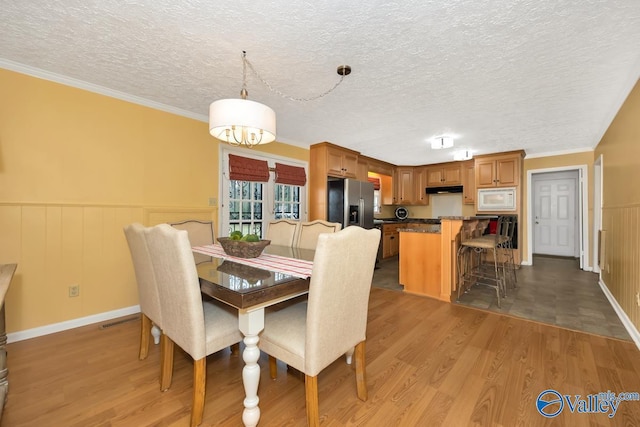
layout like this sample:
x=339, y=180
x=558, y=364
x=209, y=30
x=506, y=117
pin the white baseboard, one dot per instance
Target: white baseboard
x=70, y=324
x=629, y=326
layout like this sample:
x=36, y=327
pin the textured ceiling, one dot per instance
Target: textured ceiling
x=545, y=76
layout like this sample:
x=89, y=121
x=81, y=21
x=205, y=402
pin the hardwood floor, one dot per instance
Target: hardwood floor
x=429, y=363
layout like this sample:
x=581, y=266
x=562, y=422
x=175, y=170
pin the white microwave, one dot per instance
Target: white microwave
x=496, y=199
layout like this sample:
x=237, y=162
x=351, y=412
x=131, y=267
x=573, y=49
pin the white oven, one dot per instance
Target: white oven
x=496, y=199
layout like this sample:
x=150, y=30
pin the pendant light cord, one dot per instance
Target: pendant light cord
x=245, y=63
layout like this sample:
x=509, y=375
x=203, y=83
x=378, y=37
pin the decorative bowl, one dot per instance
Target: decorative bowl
x=242, y=249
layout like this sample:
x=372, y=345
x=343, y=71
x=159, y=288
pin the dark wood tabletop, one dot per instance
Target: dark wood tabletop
x=244, y=287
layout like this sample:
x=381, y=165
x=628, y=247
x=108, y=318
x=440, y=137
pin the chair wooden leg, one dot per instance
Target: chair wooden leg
x=273, y=367
x=166, y=362
x=199, y=387
x=145, y=331
x=311, y=395
x=361, y=374
x=235, y=349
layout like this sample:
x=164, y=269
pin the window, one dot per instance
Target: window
x=287, y=201
x=249, y=205
x=245, y=203
x=375, y=180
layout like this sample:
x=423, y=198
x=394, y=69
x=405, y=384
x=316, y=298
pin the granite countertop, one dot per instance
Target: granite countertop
x=418, y=230
x=467, y=218
x=406, y=221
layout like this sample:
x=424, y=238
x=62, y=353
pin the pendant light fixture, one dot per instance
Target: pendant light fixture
x=241, y=121
x=249, y=123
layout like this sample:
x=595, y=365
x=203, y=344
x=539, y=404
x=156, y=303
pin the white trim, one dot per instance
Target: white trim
x=71, y=324
x=224, y=149
x=597, y=210
x=583, y=205
x=626, y=322
x=81, y=84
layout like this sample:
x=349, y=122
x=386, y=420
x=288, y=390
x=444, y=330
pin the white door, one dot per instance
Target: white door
x=555, y=221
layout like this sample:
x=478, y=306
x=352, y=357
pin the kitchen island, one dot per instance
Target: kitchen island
x=428, y=260
x=390, y=227
x=420, y=261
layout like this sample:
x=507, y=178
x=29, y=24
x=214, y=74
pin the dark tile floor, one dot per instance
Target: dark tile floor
x=553, y=290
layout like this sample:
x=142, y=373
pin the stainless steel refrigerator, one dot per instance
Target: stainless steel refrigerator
x=350, y=202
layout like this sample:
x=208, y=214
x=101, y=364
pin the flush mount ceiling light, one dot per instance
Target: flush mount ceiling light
x=441, y=142
x=249, y=123
x=462, y=155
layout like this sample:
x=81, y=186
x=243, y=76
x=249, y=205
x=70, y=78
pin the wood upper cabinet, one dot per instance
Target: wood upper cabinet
x=498, y=171
x=327, y=160
x=341, y=163
x=444, y=174
x=419, y=184
x=403, y=180
x=468, y=183
x=378, y=166
x=362, y=169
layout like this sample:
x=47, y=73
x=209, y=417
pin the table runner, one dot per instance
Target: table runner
x=280, y=264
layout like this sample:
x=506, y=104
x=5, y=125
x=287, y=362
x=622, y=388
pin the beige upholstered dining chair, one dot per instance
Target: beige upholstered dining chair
x=308, y=232
x=200, y=234
x=282, y=232
x=198, y=328
x=147, y=287
x=311, y=335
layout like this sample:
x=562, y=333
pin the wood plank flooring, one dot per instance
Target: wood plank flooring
x=429, y=363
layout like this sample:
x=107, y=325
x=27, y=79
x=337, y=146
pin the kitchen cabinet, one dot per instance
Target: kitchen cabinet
x=468, y=183
x=444, y=174
x=419, y=184
x=379, y=167
x=404, y=189
x=362, y=171
x=327, y=160
x=501, y=170
x=391, y=239
x=342, y=163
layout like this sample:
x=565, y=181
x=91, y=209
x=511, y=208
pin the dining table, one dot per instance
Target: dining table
x=250, y=285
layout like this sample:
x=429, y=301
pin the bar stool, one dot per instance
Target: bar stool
x=508, y=224
x=472, y=268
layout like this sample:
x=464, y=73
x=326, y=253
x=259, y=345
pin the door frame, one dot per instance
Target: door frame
x=583, y=210
x=597, y=212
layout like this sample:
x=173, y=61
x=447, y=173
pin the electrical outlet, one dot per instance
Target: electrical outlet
x=74, y=291
x=213, y=201
x=638, y=299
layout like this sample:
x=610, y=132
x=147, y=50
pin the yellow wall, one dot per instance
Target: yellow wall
x=620, y=253
x=548, y=162
x=75, y=168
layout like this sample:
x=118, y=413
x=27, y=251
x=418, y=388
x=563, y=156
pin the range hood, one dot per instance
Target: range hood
x=444, y=190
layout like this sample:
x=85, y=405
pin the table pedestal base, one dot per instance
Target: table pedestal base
x=251, y=324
